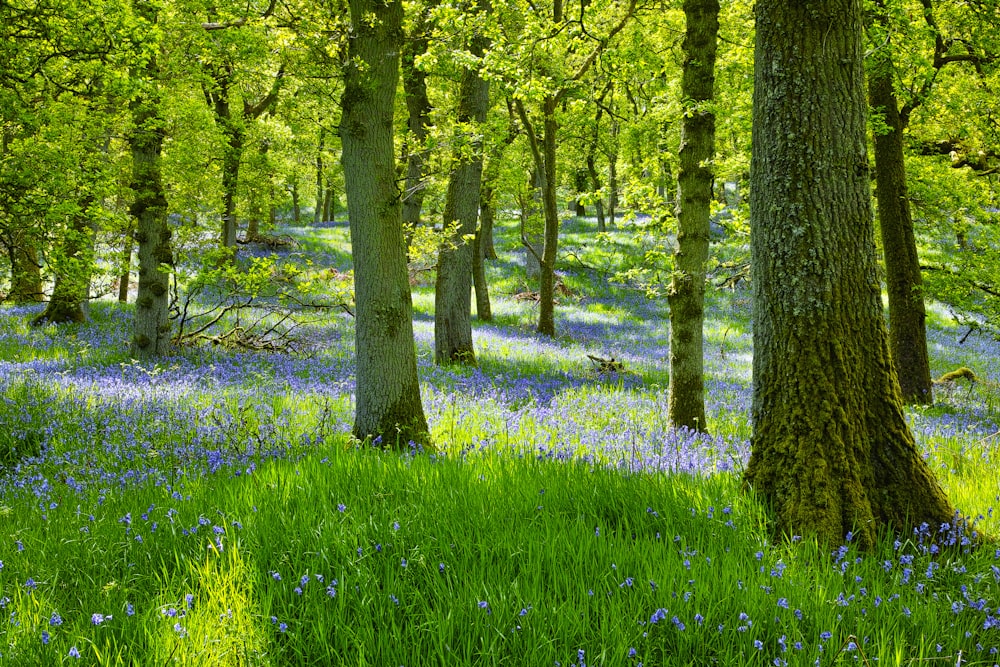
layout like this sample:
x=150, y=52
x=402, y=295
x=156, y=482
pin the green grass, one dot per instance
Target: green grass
x=212, y=509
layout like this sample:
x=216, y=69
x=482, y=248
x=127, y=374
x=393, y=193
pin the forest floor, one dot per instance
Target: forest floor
x=211, y=509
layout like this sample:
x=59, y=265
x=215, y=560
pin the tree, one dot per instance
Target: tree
x=831, y=451
x=907, y=328
x=453, y=286
x=558, y=71
x=388, y=405
x=151, y=335
x=686, y=405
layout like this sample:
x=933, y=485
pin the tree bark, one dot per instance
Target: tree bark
x=388, y=408
x=452, y=293
x=686, y=404
x=151, y=334
x=907, y=317
x=831, y=451
x=25, y=270
x=73, y=267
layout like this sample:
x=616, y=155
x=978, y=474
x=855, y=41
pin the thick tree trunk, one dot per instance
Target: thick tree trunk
x=388, y=408
x=907, y=317
x=452, y=293
x=151, y=337
x=686, y=405
x=72, y=267
x=418, y=107
x=831, y=449
x=151, y=334
x=25, y=271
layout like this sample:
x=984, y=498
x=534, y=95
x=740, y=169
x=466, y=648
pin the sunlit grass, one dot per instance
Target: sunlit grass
x=211, y=510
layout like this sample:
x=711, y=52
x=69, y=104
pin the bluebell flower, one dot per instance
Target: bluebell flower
x=74, y=652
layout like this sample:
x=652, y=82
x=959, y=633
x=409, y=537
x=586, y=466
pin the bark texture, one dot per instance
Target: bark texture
x=151, y=335
x=907, y=316
x=388, y=408
x=831, y=449
x=72, y=267
x=686, y=405
x=453, y=287
x=25, y=270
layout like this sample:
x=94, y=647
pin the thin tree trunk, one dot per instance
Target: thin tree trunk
x=595, y=187
x=329, y=212
x=452, y=294
x=484, y=309
x=907, y=317
x=613, y=175
x=126, y=275
x=296, y=208
x=831, y=451
x=418, y=106
x=686, y=404
x=388, y=408
x=318, y=211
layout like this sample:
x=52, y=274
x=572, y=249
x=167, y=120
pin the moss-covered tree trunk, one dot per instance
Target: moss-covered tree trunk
x=686, y=405
x=388, y=407
x=907, y=317
x=453, y=287
x=151, y=334
x=831, y=449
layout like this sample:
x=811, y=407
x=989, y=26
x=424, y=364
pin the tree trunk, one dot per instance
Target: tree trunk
x=484, y=310
x=232, y=154
x=388, y=407
x=547, y=268
x=318, y=211
x=329, y=210
x=126, y=275
x=452, y=293
x=907, y=327
x=25, y=270
x=686, y=405
x=613, y=175
x=72, y=267
x=595, y=187
x=580, y=182
x=831, y=451
x=296, y=209
x=418, y=106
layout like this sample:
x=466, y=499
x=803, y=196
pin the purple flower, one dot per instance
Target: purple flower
x=97, y=619
x=74, y=652
x=55, y=619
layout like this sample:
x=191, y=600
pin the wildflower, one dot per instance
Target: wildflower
x=189, y=600
x=699, y=619
x=825, y=635
x=758, y=644
x=74, y=652
x=341, y=507
x=441, y=568
x=783, y=603
x=129, y=609
x=282, y=627
x=97, y=619
x=658, y=616
x=55, y=619
x=275, y=575
x=677, y=623
x=179, y=629
x=45, y=637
